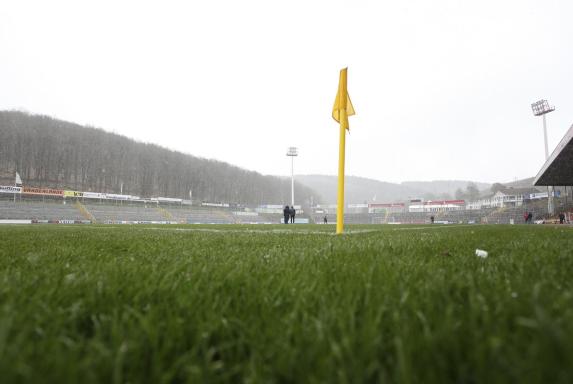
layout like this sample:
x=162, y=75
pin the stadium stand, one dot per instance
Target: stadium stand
x=557, y=169
x=105, y=213
x=197, y=215
x=507, y=210
x=38, y=210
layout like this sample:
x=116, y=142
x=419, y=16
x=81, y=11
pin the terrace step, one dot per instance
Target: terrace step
x=84, y=211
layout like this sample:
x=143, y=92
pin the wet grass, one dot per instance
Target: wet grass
x=170, y=304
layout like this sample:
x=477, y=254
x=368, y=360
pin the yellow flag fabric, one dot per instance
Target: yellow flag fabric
x=342, y=101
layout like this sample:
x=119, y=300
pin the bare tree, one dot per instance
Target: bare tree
x=53, y=153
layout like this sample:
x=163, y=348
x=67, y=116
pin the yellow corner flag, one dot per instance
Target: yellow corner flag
x=340, y=112
x=342, y=101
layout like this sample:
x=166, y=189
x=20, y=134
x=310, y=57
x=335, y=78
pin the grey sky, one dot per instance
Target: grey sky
x=442, y=89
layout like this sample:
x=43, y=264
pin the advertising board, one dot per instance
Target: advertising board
x=42, y=191
x=73, y=194
x=10, y=189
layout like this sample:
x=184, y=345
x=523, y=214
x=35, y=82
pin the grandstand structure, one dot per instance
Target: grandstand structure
x=557, y=170
x=489, y=215
x=44, y=205
x=21, y=204
x=38, y=211
x=78, y=210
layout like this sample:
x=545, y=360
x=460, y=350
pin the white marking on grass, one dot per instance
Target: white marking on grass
x=283, y=231
x=433, y=227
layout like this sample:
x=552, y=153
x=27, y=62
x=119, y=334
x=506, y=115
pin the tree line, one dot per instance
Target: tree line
x=53, y=153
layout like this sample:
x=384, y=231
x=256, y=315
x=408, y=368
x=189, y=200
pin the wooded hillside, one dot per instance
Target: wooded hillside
x=363, y=190
x=54, y=153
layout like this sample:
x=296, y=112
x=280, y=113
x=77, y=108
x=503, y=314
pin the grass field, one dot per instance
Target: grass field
x=286, y=304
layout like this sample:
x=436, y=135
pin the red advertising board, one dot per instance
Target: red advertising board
x=43, y=191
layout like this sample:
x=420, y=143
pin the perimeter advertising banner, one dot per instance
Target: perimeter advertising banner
x=166, y=199
x=10, y=189
x=73, y=194
x=113, y=196
x=94, y=195
x=43, y=191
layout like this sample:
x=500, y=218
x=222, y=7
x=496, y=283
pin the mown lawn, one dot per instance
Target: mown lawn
x=286, y=304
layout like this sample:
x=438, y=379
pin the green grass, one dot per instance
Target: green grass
x=176, y=304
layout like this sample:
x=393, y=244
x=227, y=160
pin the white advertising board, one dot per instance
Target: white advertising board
x=10, y=189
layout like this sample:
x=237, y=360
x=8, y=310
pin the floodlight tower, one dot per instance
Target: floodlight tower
x=541, y=108
x=292, y=153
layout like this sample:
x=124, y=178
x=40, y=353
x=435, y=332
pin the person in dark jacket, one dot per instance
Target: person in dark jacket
x=292, y=214
x=286, y=213
x=561, y=218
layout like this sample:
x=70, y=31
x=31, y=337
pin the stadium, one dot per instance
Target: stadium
x=177, y=244
x=42, y=203
x=177, y=289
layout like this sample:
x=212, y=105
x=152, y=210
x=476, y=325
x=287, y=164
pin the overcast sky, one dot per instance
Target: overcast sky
x=442, y=89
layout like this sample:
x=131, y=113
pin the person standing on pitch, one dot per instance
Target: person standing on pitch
x=286, y=213
x=292, y=214
x=325, y=220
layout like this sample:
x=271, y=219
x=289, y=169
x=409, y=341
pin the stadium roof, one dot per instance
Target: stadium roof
x=558, y=169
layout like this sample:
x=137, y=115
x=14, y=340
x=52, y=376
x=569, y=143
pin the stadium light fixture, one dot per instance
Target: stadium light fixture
x=541, y=108
x=292, y=153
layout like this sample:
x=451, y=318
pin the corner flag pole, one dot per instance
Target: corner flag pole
x=341, y=158
x=340, y=112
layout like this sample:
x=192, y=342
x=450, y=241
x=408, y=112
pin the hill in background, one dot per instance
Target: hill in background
x=58, y=154
x=359, y=190
x=53, y=153
x=524, y=183
x=441, y=187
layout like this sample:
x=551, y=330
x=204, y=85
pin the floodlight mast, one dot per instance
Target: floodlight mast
x=541, y=108
x=292, y=153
